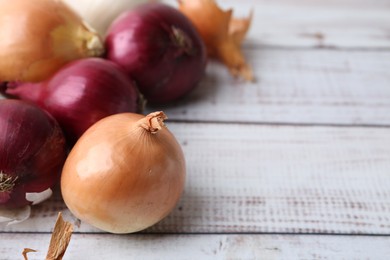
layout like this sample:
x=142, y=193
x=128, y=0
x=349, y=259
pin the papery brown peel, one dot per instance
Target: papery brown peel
x=238, y=28
x=26, y=251
x=39, y=37
x=60, y=239
x=222, y=33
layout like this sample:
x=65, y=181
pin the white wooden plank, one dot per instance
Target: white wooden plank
x=320, y=23
x=294, y=86
x=263, y=247
x=253, y=178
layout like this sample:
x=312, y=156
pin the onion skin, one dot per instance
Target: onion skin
x=124, y=174
x=82, y=93
x=222, y=33
x=32, y=152
x=160, y=48
x=38, y=37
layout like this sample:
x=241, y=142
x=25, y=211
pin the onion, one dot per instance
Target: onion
x=100, y=13
x=32, y=153
x=38, y=37
x=160, y=48
x=81, y=93
x=125, y=173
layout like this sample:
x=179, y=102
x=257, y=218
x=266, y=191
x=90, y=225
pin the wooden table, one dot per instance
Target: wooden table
x=294, y=166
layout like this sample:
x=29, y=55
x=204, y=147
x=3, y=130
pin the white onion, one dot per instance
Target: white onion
x=100, y=13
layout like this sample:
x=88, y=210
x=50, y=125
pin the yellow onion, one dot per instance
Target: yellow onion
x=125, y=173
x=38, y=37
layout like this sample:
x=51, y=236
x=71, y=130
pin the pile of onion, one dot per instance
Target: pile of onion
x=81, y=93
x=32, y=153
x=125, y=173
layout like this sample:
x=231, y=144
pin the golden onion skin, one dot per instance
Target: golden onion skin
x=121, y=177
x=38, y=37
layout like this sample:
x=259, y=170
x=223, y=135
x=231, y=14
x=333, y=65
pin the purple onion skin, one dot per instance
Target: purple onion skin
x=160, y=48
x=32, y=151
x=3, y=85
x=82, y=93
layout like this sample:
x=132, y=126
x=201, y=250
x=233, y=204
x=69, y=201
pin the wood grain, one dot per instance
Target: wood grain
x=270, y=179
x=228, y=247
x=293, y=166
x=314, y=24
x=294, y=86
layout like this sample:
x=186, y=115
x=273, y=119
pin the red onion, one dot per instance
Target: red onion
x=82, y=93
x=32, y=153
x=160, y=48
x=3, y=86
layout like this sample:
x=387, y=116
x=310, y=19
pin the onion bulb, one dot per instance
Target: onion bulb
x=160, y=49
x=38, y=37
x=100, y=13
x=125, y=173
x=222, y=33
x=32, y=153
x=81, y=93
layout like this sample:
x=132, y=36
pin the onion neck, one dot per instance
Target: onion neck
x=25, y=91
x=94, y=45
x=84, y=41
x=182, y=41
x=153, y=122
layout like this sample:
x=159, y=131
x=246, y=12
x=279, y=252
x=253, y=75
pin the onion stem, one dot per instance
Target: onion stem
x=153, y=122
x=182, y=41
x=94, y=45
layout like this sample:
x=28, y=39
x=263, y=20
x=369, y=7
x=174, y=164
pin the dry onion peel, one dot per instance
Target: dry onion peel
x=238, y=27
x=59, y=241
x=222, y=33
x=14, y=216
x=26, y=251
x=125, y=173
x=38, y=37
